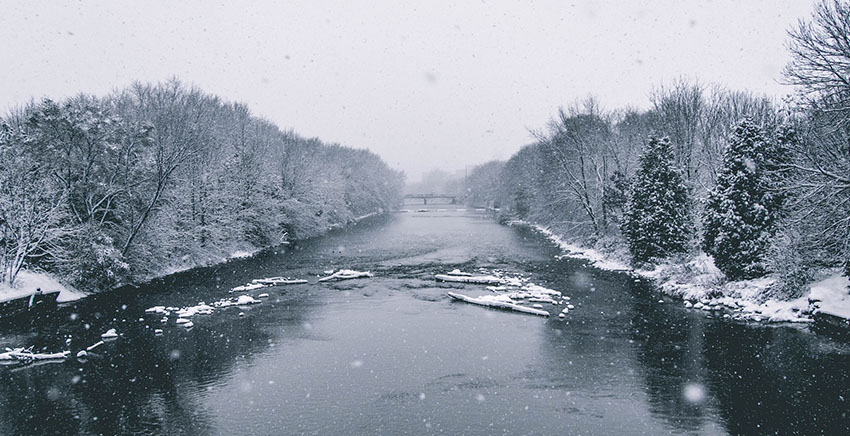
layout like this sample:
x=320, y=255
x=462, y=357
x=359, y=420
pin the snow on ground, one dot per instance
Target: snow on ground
x=242, y=254
x=28, y=281
x=831, y=296
x=704, y=287
x=574, y=251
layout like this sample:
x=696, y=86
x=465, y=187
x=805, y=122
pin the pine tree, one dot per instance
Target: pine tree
x=657, y=221
x=744, y=207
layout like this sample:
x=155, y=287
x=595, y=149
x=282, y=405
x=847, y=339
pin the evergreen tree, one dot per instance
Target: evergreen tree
x=657, y=221
x=744, y=207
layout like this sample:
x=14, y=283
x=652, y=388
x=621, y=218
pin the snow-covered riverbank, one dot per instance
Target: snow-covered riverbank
x=698, y=282
x=28, y=281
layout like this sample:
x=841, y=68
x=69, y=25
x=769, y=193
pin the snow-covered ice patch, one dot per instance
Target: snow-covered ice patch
x=248, y=287
x=245, y=300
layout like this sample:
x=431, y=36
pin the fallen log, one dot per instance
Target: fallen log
x=346, y=274
x=23, y=355
x=481, y=280
x=498, y=302
x=278, y=281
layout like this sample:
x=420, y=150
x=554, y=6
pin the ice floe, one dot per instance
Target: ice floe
x=248, y=287
x=245, y=300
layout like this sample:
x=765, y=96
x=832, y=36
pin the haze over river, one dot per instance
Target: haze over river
x=392, y=355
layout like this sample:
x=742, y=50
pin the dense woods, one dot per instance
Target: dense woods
x=763, y=187
x=160, y=177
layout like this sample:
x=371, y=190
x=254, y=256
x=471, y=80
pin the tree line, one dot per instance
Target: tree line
x=763, y=187
x=159, y=177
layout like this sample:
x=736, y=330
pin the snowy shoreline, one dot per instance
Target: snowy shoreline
x=697, y=282
x=28, y=281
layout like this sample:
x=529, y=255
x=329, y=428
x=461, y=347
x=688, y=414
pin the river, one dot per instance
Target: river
x=392, y=355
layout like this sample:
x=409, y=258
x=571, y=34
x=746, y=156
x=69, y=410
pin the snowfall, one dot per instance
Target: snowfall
x=698, y=279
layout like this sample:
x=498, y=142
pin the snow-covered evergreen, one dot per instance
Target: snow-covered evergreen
x=744, y=207
x=657, y=221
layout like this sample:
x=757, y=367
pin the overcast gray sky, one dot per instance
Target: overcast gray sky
x=424, y=84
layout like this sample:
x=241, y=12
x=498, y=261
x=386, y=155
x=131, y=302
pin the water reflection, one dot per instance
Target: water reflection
x=778, y=380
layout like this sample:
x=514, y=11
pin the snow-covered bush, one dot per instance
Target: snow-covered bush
x=657, y=221
x=94, y=263
x=742, y=210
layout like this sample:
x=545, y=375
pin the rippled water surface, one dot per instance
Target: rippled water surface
x=393, y=355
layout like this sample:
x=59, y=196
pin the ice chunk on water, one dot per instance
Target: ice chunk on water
x=245, y=300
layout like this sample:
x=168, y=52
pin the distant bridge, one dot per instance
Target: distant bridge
x=435, y=198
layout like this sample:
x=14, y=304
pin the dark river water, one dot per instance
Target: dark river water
x=392, y=355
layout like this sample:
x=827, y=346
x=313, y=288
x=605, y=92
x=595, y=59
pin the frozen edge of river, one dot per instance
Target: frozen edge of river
x=697, y=279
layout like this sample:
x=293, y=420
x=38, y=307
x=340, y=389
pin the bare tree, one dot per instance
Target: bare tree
x=32, y=218
x=577, y=144
x=678, y=111
x=177, y=117
x=818, y=174
x=820, y=54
